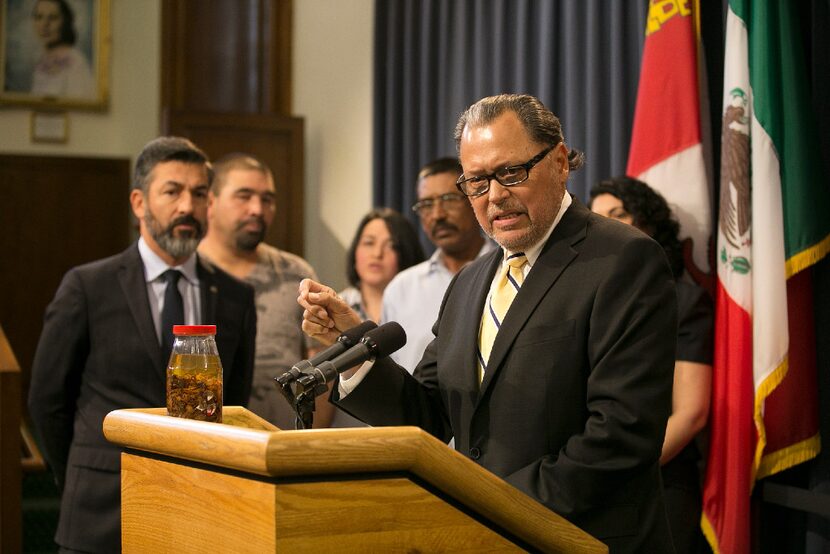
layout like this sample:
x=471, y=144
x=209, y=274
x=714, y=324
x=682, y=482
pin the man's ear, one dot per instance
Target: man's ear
x=137, y=203
x=561, y=155
x=211, y=200
x=560, y=159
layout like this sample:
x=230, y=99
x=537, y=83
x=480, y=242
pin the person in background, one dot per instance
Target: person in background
x=414, y=296
x=552, y=359
x=384, y=244
x=241, y=207
x=635, y=203
x=107, y=336
x=62, y=70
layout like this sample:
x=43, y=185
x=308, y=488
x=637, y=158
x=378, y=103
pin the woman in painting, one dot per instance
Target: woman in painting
x=62, y=70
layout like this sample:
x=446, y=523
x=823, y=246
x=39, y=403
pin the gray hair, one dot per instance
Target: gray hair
x=539, y=122
x=167, y=149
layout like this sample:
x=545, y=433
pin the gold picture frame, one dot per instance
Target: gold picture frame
x=54, y=54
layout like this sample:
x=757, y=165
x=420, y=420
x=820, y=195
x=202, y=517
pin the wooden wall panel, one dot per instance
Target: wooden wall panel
x=276, y=140
x=226, y=82
x=10, y=474
x=227, y=56
x=55, y=213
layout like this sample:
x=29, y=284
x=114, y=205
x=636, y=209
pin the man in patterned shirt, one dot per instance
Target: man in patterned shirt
x=242, y=204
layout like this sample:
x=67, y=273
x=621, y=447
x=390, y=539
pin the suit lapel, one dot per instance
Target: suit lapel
x=481, y=286
x=208, y=291
x=555, y=256
x=134, y=286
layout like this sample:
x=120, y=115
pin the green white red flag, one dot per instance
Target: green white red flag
x=666, y=149
x=772, y=228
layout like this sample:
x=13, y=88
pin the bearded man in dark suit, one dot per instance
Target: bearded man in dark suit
x=104, y=345
x=570, y=400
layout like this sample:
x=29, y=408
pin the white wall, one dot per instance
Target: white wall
x=332, y=90
x=132, y=118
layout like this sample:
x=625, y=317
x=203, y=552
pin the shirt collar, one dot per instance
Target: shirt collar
x=533, y=252
x=154, y=266
x=436, y=260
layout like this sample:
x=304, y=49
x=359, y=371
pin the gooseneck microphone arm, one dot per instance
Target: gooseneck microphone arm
x=349, y=338
x=376, y=343
x=295, y=394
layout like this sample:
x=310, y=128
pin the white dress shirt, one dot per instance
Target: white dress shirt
x=154, y=267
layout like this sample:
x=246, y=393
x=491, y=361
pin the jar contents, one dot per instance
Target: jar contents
x=194, y=387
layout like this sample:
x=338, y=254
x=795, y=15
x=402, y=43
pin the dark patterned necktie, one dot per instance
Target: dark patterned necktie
x=172, y=311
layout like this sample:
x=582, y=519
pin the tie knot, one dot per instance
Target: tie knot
x=171, y=276
x=516, y=260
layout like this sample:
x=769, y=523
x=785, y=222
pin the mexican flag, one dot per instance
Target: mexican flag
x=772, y=227
x=666, y=149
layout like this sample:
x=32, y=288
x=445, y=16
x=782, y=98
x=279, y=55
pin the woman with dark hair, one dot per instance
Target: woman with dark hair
x=62, y=69
x=384, y=244
x=635, y=203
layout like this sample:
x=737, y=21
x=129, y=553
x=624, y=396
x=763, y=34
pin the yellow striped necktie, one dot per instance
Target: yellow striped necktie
x=508, y=285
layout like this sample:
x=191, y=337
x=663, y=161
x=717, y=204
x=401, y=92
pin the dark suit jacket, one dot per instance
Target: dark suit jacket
x=574, y=406
x=99, y=352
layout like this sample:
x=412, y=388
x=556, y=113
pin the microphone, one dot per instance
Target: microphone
x=377, y=343
x=347, y=340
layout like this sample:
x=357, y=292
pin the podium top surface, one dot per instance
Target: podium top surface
x=247, y=443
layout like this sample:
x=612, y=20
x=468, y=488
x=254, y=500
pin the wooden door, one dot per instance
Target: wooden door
x=55, y=213
x=226, y=83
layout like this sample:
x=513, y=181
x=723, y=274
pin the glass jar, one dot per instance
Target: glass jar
x=194, y=374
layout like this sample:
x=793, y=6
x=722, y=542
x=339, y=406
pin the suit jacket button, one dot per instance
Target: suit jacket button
x=475, y=453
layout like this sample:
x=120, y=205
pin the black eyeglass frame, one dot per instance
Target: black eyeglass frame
x=416, y=207
x=527, y=166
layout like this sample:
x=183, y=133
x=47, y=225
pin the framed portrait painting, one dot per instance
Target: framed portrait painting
x=55, y=53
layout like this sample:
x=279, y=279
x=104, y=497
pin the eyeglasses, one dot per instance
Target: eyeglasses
x=424, y=206
x=507, y=176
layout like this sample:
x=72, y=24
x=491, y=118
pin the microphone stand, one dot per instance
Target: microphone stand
x=302, y=399
x=304, y=406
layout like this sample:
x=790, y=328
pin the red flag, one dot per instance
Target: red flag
x=666, y=143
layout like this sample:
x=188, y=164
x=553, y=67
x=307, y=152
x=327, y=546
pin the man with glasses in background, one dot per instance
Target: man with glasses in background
x=414, y=296
x=553, y=356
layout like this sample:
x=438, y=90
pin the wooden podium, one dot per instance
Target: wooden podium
x=245, y=486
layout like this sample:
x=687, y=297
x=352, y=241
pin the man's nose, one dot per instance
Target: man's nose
x=435, y=211
x=255, y=205
x=497, y=191
x=438, y=211
x=185, y=204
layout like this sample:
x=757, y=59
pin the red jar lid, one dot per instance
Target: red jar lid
x=192, y=330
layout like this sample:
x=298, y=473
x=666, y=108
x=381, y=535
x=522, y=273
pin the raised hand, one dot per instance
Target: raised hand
x=326, y=315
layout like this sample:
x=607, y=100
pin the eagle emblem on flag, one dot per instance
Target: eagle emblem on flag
x=735, y=196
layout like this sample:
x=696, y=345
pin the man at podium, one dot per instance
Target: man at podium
x=553, y=356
